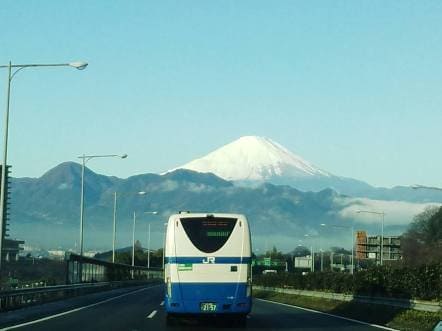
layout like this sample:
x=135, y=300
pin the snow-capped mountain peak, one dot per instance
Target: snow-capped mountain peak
x=254, y=158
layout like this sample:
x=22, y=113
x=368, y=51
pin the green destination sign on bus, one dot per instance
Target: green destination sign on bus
x=217, y=233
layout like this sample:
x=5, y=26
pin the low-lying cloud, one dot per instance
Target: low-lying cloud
x=396, y=212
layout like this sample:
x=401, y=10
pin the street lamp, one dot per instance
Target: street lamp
x=17, y=68
x=417, y=187
x=133, y=245
x=320, y=251
x=148, y=238
x=133, y=239
x=114, y=228
x=78, y=65
x=164, y=244
x=312, y=253
x=382, y=229
x=85, y=159
x=352, y=241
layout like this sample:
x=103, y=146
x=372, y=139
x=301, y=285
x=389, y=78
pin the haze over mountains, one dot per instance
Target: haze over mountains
x=45, y=210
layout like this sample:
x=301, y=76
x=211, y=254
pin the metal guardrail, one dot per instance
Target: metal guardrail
x=83, y=275
x=82, y=269
x=13, y=299
x=422, y=305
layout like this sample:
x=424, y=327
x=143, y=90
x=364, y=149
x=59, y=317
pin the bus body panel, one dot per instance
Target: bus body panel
x=194, y=277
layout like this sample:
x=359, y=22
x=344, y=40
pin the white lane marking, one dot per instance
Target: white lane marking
x=162, y=303
x=152, y=314
x=332, y=315
x=75, y=310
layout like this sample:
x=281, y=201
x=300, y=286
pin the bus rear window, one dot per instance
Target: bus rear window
x=208, y=234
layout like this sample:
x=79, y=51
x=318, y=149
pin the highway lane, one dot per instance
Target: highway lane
x=141, y=309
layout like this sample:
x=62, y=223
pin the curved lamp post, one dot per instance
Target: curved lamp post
x=352, y=241
x=418, y=187
x=312, y=266
x=114, y=228
x=148, y=237
x=133, y=240
x=164, y=244
x=11, y=74
x=85, y=159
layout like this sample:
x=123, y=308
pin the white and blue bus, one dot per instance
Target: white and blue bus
x=208, y=265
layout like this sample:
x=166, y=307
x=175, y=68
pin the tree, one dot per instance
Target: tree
x=301, y=251
x=123, y=257
x=274, y=254
x=138, y=245
x=422, y=242
x=340, y=250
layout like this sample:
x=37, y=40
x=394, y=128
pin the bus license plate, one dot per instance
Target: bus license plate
x=208, y=307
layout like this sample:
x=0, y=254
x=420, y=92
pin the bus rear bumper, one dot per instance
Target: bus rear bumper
x=238, y=306
x=223, y=298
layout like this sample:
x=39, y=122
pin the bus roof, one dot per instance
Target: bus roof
x=200, y=214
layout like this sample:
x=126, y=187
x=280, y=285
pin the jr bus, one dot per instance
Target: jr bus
x=208, y=265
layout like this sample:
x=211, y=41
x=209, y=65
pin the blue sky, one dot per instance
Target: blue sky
x=355, y=87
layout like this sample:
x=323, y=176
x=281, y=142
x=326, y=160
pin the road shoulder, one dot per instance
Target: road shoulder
x=389, y=318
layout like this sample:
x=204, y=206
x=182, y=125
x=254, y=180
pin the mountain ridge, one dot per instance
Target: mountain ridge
x=46, y=209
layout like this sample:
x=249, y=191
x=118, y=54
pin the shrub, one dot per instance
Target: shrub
x=423, y=282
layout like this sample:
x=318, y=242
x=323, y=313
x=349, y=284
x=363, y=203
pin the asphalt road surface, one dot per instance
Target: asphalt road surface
x=140, y=308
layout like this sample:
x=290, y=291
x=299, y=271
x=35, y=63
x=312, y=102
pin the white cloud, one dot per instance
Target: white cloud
x=197, y=188
x=169, y=185
x=396, y=212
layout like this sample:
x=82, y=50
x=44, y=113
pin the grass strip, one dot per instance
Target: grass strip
x=394, y=317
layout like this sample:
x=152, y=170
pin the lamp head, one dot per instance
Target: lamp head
x=151, y=212
x=417, y=186
x=123, y=156
x=78, y=65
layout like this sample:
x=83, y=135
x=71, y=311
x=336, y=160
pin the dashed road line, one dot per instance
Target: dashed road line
x=162, y=303
x=331, y=315
x=73, y=310
x=152, y=314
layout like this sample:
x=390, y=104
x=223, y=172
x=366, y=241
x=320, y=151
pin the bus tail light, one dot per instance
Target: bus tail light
x=249, y=287
x=249, y=281
x=169, y=287
x=249, y=291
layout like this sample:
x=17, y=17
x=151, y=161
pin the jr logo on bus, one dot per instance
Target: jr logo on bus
x=209, y=259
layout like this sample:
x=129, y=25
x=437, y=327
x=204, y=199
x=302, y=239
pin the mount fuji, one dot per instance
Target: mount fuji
x=252, y=160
